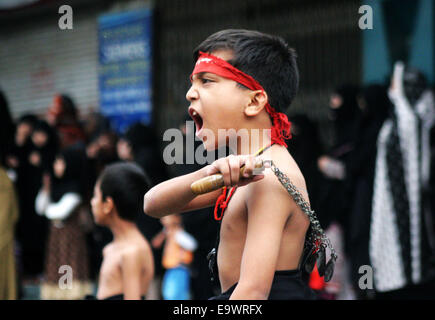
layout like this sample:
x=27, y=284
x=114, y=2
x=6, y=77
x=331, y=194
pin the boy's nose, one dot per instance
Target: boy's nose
x=191, y=94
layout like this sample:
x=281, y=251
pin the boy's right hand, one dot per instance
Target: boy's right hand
x=230, y=166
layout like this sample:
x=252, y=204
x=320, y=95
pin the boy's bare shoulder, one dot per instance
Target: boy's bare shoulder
x=271, y=188
x=270, y=185
x=137, y=248
x=284, y=161
x=108, y=248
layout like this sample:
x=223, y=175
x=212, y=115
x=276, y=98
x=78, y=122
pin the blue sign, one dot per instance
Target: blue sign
x=125, y=67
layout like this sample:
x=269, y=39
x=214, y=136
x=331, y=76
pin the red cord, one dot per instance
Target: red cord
x=221, y=203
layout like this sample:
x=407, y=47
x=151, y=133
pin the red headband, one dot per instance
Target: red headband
x=210, y=63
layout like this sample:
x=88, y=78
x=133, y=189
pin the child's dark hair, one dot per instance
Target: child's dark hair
x=266, y=58
x=126, y=184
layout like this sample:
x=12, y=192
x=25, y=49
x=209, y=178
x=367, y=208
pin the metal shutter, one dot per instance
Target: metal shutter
x=38, y=60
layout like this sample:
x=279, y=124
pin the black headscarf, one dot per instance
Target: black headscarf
x=346, y=117
x=377, y=106
x=49, y=150
x=139, y=136
x=74, y=175
x=146, y=151
x=414, y=84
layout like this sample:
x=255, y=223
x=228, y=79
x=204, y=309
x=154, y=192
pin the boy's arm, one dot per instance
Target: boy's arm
x=175, y=195
x=131, y=275
x=269, y=206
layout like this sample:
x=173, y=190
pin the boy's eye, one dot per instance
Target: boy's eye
x=204, y=80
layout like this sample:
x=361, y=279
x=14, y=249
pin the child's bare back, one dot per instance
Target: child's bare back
x=123, y=263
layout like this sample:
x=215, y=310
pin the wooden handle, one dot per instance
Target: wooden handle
x=216, y=181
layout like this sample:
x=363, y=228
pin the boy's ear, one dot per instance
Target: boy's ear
x=108, y=205
x=257, y=102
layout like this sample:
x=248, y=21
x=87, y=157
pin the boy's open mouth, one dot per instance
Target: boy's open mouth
x=196, y=118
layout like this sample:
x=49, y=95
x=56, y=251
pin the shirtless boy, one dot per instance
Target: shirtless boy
x=128, y=265
x=263, y=230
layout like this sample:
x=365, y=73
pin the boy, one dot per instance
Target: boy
x=240, y=79
x=128, y=264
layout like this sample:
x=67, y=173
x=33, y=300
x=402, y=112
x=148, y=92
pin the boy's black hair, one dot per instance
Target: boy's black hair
x=126, y=184
x=266, y=58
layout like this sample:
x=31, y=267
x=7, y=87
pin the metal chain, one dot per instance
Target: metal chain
x=317, y=237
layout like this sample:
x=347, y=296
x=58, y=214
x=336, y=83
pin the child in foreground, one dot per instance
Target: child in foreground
x=128, y=264
x=240, y=82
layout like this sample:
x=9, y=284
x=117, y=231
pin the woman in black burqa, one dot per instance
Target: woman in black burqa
x=375, y=105
x=333, y=202
x=32, y=229
x=61, y=200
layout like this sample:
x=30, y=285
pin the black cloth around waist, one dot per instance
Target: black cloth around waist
x=286, y=285
x=114, y=297
x=119, y=297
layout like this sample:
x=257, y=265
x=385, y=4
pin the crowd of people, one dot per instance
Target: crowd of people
x=372, y=190
x=54, y=162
